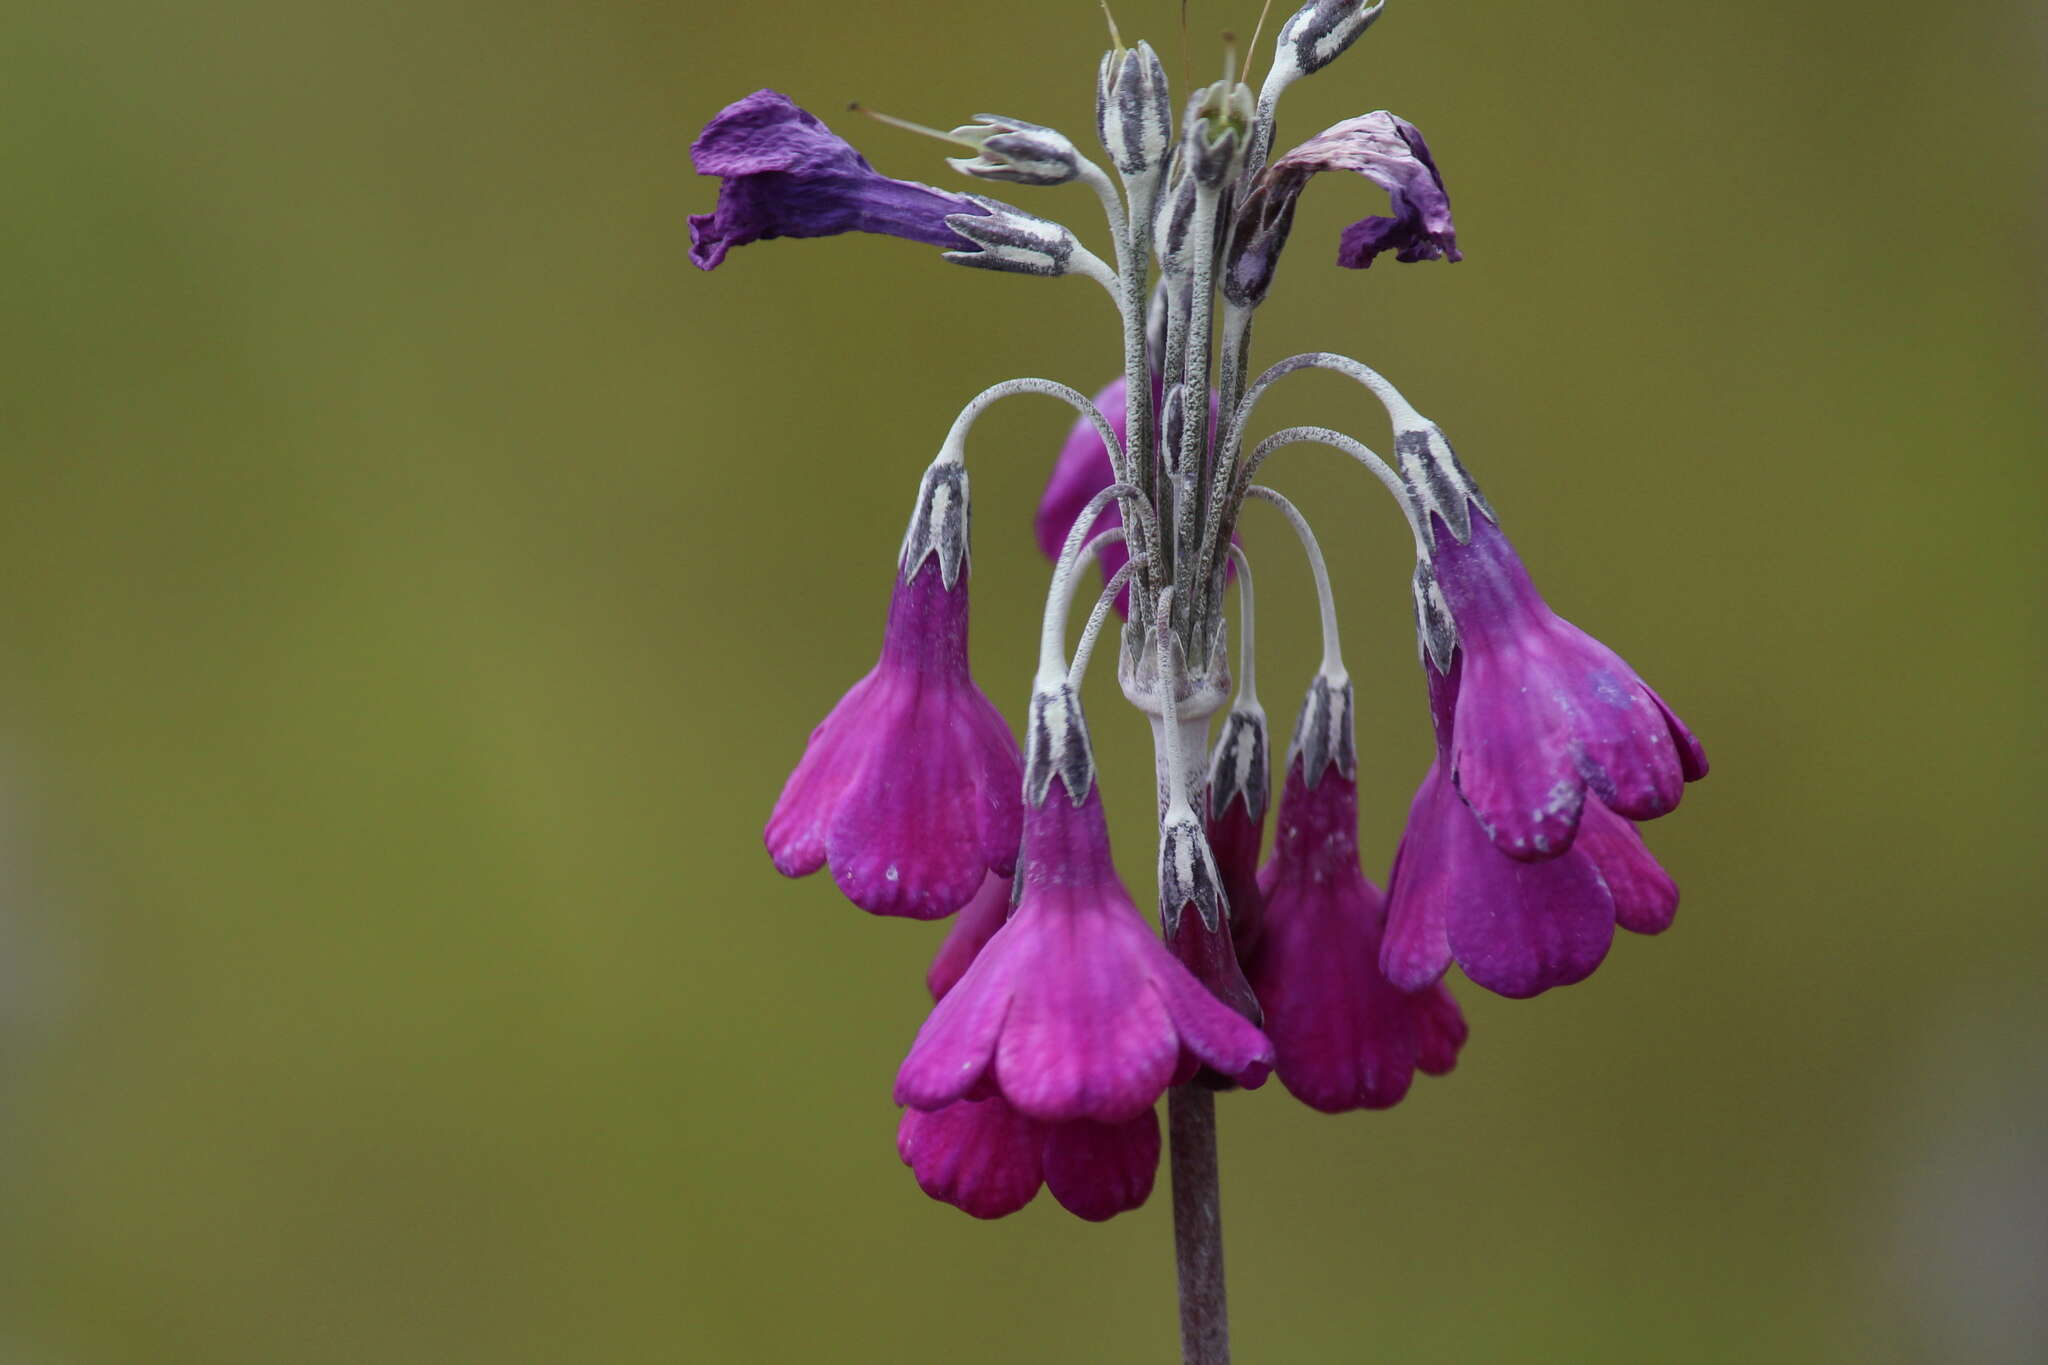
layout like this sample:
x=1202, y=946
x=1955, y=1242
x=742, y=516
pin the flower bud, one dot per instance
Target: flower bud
x=1317, y=34
x=1015, y=151
x=1015, y=241
x=1132, y=114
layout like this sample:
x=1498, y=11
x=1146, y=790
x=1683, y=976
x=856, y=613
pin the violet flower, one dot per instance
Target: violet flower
x=908, y=790
x=1344, y=1037
x=787, y=175
x=1515, y=926
x=1544, y=711
x=1074, y=1009
x=985, y=1158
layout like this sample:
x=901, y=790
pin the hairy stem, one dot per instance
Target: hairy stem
x=1198, y=1226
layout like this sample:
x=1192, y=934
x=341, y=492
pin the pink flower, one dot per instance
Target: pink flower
x=983, y=1157
x=1075, y=1009
x=1344, y=1037
x=910, y=789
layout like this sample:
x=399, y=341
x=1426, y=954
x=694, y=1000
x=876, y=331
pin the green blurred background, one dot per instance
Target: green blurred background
x=416, y=580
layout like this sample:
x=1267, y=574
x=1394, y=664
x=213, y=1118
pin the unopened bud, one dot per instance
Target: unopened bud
x=1012, y=150
x=1317, y=34
x=1133, y=115
x=1015, y=241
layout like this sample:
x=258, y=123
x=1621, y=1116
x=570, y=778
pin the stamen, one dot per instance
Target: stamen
x=1116, y=39
x=878, y=116
x=1257, y=29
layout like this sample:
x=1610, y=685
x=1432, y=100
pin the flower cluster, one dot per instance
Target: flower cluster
x=1060, y=1016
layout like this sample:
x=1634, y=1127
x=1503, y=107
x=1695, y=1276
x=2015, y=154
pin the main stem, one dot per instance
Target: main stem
x=1198, y=1226
x=1191, y=1137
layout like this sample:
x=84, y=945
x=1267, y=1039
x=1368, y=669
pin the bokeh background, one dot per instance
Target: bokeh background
x=416, y=580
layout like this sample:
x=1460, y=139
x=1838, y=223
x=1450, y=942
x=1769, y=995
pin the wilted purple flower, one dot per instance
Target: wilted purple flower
x=787, y=175
x=1074, y=1009
x=1385, y=149
x=1344, y=1037
x=909, y=789
x=1544, y=711
x=1517, y=927
x=985, y=1158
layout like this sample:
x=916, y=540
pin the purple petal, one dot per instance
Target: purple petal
x=785, y=174
x=1417, y=950
x=1390, y=152
x=1084, y=1040
x=1520, y=928
x=1645, y=897
x=1098, y=1170
x=981, y=1157
x=975, y=925
x=795, y=834
x=1440, y=1031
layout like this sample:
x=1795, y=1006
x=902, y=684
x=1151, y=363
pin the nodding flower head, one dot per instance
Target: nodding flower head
x=909, y=789
x=1344, y=1037
x=1074, y=1009
x=785, y=174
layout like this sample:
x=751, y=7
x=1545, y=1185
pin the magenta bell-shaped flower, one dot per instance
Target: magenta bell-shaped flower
x=909, y=789
x=983, y=1157
x=1544, y=712
x=1344, y=1037
x=1516, y=927
x=1074, y=1009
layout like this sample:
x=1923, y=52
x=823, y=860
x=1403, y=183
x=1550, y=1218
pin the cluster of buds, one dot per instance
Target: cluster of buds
x=1060, y=1015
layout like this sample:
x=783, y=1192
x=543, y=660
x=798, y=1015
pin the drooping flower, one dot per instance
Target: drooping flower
x=1544, y=712
x=1385, y=149
x=1344, y=1037
x=1517, y=927
x=785, y=174
x=985, y=1158
x=909, y=789
x=1239, y=781
x=1074, y=1009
